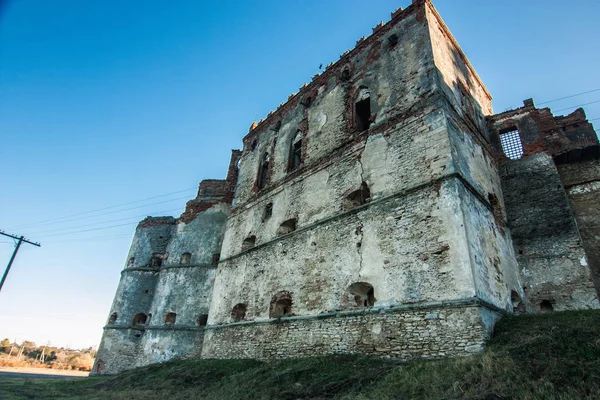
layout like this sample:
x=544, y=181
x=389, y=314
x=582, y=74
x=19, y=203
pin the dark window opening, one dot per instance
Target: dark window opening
x=393, y=39
x=363, y=294
x=253, y=144
x=140, y=319
x=156, y=261
x=131, y=261
x=296, y=151
x=345, y=75
x=248, y=243
x=517, y=302
x=358, y=197
x=287, y=227
x=113, y=318
x=281, y=305
x=202, y=320
x=362, y=110
x=170, y=318
x=238, y=313
x=215, y=258
x=148, y=291
x=511, y=144
x=185, y=258
x=546, y=306
x=263, y=173
x=268, y=212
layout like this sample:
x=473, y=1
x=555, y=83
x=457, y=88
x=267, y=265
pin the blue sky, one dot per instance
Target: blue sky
x=108, y=102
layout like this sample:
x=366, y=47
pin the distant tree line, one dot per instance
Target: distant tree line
x=28, y=354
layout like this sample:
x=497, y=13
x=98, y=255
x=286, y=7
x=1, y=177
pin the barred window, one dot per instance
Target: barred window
x=511, y=144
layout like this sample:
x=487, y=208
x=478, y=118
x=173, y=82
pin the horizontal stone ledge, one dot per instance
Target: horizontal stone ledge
x=459, y=303
x=156, y=327
x=356, y=210
x=165, y=267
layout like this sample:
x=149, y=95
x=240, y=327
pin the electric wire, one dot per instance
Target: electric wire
x=100, y=209
x=568, y=97
x=578, y=105
x=110, y=212
x=135, y=218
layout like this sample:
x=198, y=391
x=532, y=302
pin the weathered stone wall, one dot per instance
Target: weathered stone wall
x=396, y=76
x=433, y=331
x=545, y=235
x=582, y=183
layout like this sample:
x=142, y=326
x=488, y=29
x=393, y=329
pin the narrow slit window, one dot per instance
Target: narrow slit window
x=511, y=144
x=263, y=173
x=296, y=151
x=362, y=110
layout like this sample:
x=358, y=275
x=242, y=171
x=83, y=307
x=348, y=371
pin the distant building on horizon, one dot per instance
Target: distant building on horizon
x=384, y=209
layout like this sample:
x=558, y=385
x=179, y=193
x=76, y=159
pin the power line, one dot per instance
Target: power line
x=110, y=212
x=578, y=105
x=102, y=209
x=568, y=97
x=135, y=218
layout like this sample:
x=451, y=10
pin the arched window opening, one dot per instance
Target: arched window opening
x=202, y=320
x=113, y=318
x=363, y=294
x=248, y=243
x=263, y=172
x=238, y=312
x=140, y=319
x=358, y=197
x=345, y=76
x=185, y=258
x=170, y=318
x=295, y=151
x=362, y=109
x=287, y=227
x=268, y=212
x=546, y=306
x=130, y=261
x=281, y=305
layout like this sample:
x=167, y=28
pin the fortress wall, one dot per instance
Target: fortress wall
x=545, y=235
x=411, y=248
x=396, y=76
x=416, y=149
x=432, y=332
x=582, y=184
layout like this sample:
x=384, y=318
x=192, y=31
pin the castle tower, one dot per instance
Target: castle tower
x=161, y=305
x=130, y=312
x=368, y=216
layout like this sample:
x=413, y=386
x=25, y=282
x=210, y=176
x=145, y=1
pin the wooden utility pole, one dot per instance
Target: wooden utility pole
x=21, y=240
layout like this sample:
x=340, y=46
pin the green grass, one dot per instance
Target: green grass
x=549, y=356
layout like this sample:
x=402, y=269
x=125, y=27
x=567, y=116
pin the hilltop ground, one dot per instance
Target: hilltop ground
x=547, y=356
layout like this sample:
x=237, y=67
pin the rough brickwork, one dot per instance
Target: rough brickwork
x=373, y=212
x=424, y=333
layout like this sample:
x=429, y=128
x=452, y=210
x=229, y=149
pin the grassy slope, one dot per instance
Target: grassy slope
x=550, y=356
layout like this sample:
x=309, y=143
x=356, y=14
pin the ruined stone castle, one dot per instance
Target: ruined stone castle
x=384, y=209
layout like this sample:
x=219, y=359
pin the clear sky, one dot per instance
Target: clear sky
x=110, y=102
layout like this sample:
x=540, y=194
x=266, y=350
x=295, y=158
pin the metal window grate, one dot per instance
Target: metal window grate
x=511, y=144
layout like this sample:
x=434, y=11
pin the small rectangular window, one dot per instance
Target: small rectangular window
x=511, y=144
